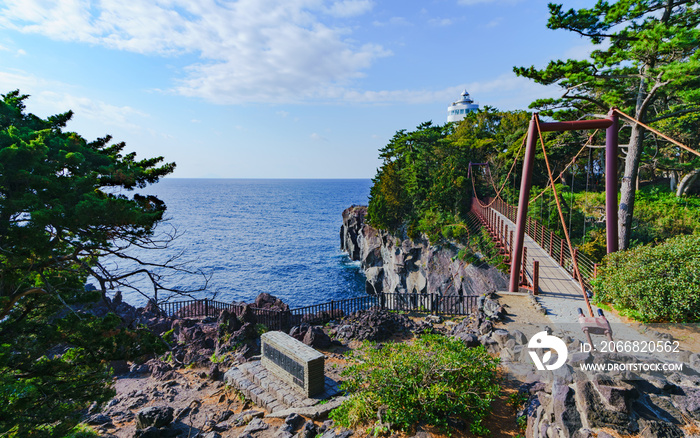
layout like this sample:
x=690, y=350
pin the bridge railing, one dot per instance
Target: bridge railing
x=555, y=246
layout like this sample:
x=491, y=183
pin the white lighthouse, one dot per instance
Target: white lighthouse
x=460, y=108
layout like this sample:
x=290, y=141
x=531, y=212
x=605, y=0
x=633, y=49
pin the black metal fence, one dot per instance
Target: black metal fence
x=321, y=313
x=197, y=308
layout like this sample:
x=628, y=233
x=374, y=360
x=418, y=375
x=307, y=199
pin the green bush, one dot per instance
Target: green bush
x=430, y=381
x=654, y=283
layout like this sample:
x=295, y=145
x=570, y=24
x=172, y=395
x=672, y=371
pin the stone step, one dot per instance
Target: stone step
x=251, y=391
x=269, y=392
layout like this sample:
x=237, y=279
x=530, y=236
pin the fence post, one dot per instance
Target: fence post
x=206, y=307
x=536, y=277
x=551, y=242
x=528, y=226
x=561, y=253
x=510, y=244
x=542, y=236
x=595, y=270
x=523, y=271
x=332, y=309
x=574, y=257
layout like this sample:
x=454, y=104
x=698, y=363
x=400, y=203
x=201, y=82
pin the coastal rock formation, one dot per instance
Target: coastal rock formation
x=570, y=403
x=394, y=265
x=373, y=325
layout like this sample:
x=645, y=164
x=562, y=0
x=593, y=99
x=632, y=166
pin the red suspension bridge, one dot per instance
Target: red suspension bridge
x=539, y=260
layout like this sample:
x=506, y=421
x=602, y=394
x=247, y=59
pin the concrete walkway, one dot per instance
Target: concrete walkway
x=561, y=295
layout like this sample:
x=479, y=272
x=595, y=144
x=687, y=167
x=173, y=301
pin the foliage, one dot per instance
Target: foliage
x=431, y=381
x=660, y=215
x=82, y=431
x=63, y=203
x=481, y=248
x=54, y=363
x=423, y=185
x=654, y=283
x=647, y=64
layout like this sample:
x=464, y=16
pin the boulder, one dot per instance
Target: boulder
x=267, y=301
x=98, y=419
x=309, y=430
x=228, y=322
x=596, y=411
x=215, y=372
x=148, y=432
x=565, y=411
x=469, y=339
x=156, y=416
x=247, y=316
x=373, y=324
x=294, y=421
x=689, y=404
x=160, y=370
x=659, y=429
x=120, y=367
x=316, y=338
x=256, y=425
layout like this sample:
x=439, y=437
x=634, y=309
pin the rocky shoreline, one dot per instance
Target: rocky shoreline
x=186, y=392
x=408, y=266
x=163, y=397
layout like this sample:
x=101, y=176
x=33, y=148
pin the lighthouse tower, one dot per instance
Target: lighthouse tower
x=460, y=108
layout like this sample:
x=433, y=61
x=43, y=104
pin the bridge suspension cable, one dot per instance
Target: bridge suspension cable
x=590, y=138
x=505, y=181
x=666, y=137
x=574, y=262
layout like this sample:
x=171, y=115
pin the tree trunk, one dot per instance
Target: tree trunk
x=628, y=188
x=672, y=182
x=687, y=181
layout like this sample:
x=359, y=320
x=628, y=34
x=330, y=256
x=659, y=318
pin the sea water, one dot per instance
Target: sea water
x=250, y=236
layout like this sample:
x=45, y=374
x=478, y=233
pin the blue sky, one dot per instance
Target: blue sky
x=271, y=88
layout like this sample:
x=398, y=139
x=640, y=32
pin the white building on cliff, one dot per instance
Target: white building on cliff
x=460, y=108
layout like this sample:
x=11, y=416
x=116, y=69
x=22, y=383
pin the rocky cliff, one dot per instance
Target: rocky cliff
x=395, y=265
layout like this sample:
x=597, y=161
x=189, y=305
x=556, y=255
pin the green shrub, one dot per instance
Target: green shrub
x=654, y=283
x=82, y=431
x=432, y=380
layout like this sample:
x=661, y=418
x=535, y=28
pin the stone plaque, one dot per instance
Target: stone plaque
x=293, y=362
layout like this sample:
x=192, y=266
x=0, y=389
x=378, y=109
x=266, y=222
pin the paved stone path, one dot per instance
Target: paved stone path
x=269, y=392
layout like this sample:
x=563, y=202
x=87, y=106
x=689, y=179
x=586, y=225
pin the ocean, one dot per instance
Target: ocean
x=257, y=235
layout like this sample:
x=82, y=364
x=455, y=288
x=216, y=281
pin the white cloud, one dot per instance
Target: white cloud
x=393, y=21
x=440, y=22
x=506, y=92
x=318, y=137
x=83, y=107
x=249, y=50
x=350, y=8
x=583, y=51
x=476, y=2
x=493, y=23
x=45, y=103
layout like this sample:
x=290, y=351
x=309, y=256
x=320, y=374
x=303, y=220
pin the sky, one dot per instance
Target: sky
x=272, y=88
